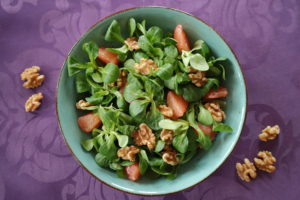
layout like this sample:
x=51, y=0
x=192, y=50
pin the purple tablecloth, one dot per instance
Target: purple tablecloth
x=36, y=164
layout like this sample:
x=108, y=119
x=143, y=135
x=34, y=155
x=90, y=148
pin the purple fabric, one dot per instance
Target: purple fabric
x=36, y=164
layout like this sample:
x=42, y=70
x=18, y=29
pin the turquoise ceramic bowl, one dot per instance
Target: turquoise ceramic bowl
x=205, y=163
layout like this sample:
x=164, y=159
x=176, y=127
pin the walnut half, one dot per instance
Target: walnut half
x=132, y=43
x=128, y=153
x=216, y=112
x=165, y=111
x=32, y=77
x=145, y=67
x=197, y=77
x=265, y=161
x=82, y=104
x=144, y=136
x=167, y=136
x=169, y=156
x=33, y=102
x=246, y=171
x=269, y=133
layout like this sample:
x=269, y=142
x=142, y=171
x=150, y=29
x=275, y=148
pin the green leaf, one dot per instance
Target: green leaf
x=166, y=71
x=142, y=27
x=138, y=55
x=121, y=50
x=113, y=32
x=205, y=50
x=97, y=97
x=129, y=65
x=156, y=162
x=121, y=174
x=121, y=103
x=178, y=126
x=110, y=73
x=131, y=26
x=204, y=116
x=191, y=93
x=220, y=127
x=81, y=83
x=137, y=109
x=203, y=139
x=97, y=77
x=115, y=166
x=91, y=48
x=108, y=147
x=180, y=143
x=160, y=171
x=87, y=144
x=101, y=160
x=153, y=117
x=171, y=51
x=159, y=146
x=169, y=41
x=186, y=56
x=199, y=62
x=145, y=44
x=74, y=66
x=144, y=155
x=198, y=45
x=122, y=140
x=154, y=34
x=126, y=163
x=126, y=129
x=143, y=165
x=108, y=116
x=133, y=89
x=223, y=72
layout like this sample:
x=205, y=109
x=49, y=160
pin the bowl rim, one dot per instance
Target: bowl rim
x=244, y=116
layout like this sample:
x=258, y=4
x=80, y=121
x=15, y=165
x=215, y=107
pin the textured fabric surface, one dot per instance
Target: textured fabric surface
x=36, y=164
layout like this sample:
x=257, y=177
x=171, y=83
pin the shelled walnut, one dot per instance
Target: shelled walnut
x=265, y=161
x=215, y=110
x=132, y=43
x=32, y=77
x=144, y=136
x=246, y=171
x=145, y=67
x=169, y=156
x=197, y=77
x=33, y=102
x=82, y=104
x=165, y=111
x=128, y=152
x=167, y=136
x=269, y=133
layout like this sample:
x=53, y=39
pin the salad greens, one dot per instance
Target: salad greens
x=122, y=108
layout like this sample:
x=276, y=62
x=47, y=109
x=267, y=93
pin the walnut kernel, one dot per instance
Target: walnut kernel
x=197, y=77
x=269, y=133
x=145, y=67
x=128, y=153
x=132, y=43
x=33, y=102
x=265, y=161
x=167, y=136
x=82, y=104
x=216, y=112
x=32, y=77
x=144, y=136
x=170, y=157
x=246, y=171
x=165, y=111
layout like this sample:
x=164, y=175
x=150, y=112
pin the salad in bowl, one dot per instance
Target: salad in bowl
x=151, y=101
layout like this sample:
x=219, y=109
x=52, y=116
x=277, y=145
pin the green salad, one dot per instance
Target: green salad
x=152, y=103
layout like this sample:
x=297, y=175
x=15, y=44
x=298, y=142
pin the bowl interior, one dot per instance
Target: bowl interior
x=204, y=163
